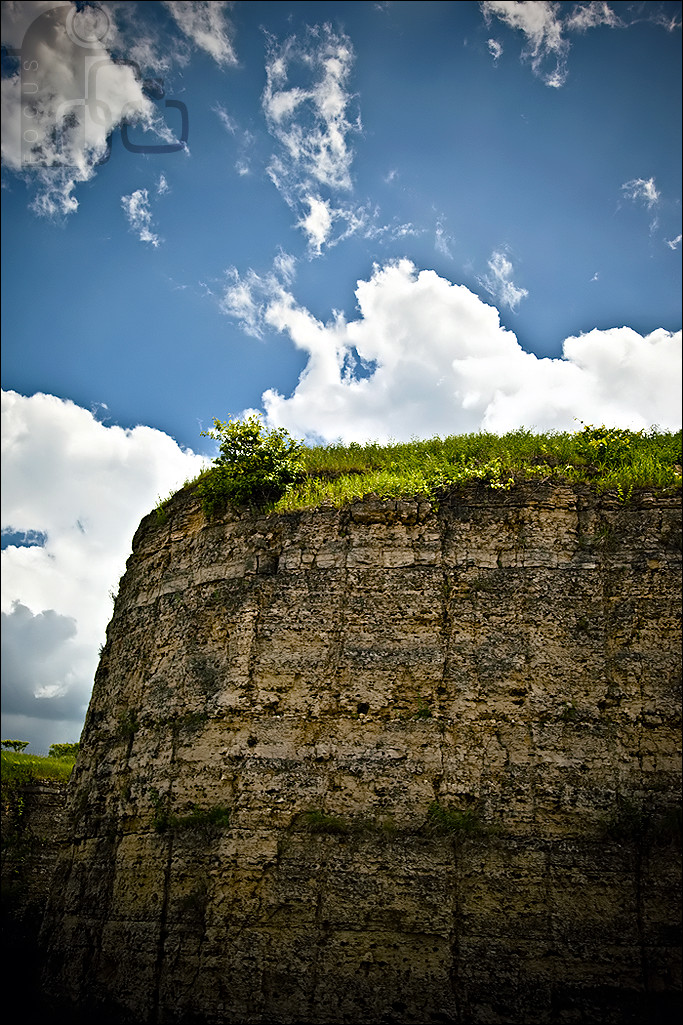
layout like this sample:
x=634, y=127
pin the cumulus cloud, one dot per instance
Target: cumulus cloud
x=66, y=96
x=499, y=284
x=312, y=124
x=205, y=24
x=139, y=216
x=642, y=190
x=79, y=489
x=426, y=356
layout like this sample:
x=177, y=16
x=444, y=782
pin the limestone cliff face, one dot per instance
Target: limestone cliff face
x=388, y=763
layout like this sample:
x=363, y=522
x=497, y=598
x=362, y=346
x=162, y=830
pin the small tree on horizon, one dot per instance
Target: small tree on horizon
x=63, y=750
x=15, y=745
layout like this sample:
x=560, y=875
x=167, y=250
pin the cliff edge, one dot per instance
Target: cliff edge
x=386, y=763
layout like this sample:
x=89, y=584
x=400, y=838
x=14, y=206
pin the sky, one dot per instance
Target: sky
x=366, y=221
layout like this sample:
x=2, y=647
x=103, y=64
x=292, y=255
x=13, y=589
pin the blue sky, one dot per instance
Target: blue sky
x=386, y=220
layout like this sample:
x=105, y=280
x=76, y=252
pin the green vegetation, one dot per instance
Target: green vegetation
x=14, y=745
x=127, y=724
x=63, y=750
x=320, y=822
x=423, y=709
x=452, y=821
x=254, y=465
x=202, y=820
x=19, y=768
x=270, y=469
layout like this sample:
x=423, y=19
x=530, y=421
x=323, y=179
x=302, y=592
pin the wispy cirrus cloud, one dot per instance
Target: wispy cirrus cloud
x=225, y=119
x=642, y=190
x=542, y=27
x=442, y=240
x=591, y=15
x=206, y=25
x=312, y=123
x=547, y=26
x=495, y=49
x=139, y=216
x=499, y=284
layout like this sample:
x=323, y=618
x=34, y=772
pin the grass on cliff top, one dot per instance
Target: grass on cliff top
x=23, y=768
x=606, y=459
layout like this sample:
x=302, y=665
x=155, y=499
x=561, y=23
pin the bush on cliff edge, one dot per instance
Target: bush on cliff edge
x=254, y=466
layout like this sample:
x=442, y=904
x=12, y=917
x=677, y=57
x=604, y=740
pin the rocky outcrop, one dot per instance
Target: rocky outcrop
x=390, y=763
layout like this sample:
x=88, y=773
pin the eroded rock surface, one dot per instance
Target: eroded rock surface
x=389, y=763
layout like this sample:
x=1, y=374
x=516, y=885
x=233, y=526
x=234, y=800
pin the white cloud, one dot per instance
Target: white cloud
x=139, y=216
x=207, y=27
x=443, y=241
x=541, y=23
x=284, y=266
x=546, y=25
x=162, y=186
x=495, y=49
x=82, y=488
x=224, y=118
x=499, y=284
x=312, y=125
x=642, y=190
x=57, y=138
x=246, y=298
x=674, y=243
x=242, y=299
x=318, y=222
x=437, y=361
x=591, y=15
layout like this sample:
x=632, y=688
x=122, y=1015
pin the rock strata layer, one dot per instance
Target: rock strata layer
x=389, y=763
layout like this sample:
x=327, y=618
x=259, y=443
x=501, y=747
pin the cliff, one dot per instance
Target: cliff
x=388, y=763
x=34, y=831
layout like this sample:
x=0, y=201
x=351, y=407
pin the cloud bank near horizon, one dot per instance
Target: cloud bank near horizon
x=73, y=494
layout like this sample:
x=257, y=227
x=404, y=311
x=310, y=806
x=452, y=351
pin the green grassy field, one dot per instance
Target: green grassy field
x=607, y=460
x=18, y=768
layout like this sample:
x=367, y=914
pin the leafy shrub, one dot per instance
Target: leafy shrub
x=605, y=445
x=254, y=464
